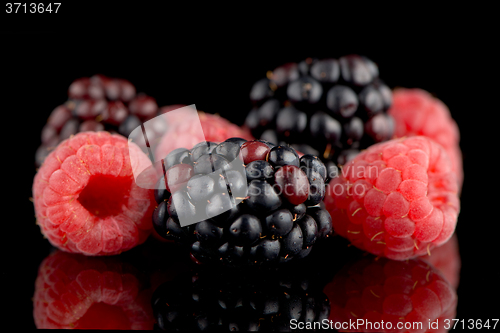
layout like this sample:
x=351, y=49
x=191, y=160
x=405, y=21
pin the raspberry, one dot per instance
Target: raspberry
x=98, y=103
x=416, y=112
x=265, y=211
x=73, y=291
x=446, y=258
x=86, y=200
x=181, y=133
x=329, y=108
x=396, y=199
x=403, y=293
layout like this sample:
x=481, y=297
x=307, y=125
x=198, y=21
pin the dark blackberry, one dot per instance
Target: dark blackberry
x=242, y=203
x=263, y=300
x=98, y=103
x=330, y=108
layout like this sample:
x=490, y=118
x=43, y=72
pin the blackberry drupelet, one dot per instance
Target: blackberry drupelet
x=242, y=203
x=98, y=103
x=331, y=108
x=240, y=300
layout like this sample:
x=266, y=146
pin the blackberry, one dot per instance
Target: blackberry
x=240, y=300
x=98, y=103
x=331, y=108
x=242, y=203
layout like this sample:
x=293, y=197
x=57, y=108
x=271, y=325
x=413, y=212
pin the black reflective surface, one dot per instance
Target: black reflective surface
x=216, y=73
x=156, y=286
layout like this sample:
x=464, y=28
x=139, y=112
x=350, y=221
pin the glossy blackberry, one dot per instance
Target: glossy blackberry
x=332, y=108
x=98, y=103
x=242, y=203
x=240, y=301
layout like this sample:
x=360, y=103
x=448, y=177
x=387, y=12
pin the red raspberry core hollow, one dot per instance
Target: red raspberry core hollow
x=104, y=195
x=85, y=195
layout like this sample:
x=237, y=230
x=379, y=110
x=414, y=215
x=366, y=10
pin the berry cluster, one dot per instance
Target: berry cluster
x=233, y=201
x=247, y=202
x=329, y=108
x=98, y=103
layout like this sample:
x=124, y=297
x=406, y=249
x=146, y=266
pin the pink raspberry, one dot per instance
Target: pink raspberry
x=396, y=199
x=402, y=294
x=74, y=291
x=416, y=112
x=86, y=199
x=182, y=134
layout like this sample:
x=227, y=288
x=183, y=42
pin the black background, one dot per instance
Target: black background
x=211, y=57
